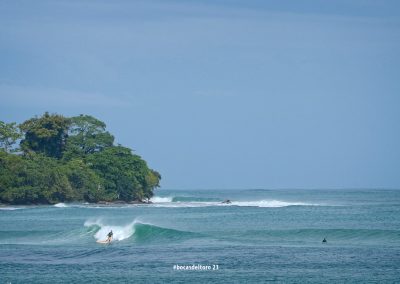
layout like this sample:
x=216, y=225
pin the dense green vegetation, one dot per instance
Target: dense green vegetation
x=61, y=159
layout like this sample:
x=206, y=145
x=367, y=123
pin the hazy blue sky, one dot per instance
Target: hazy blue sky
x=219, y=94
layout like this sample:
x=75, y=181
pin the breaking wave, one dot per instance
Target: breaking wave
x=119, y=232
x=137, y=231
x=158, y=199
x=134, y=231
x=10, y=208
x=270, y=203
x=183, y=201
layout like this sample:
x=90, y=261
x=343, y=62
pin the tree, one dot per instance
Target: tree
x=46, y=134
x=126, y=175
x=69, y=159
x=86, y=184
x=152, y=181
x=9, y=134
x=36, y=179
x=87, y=135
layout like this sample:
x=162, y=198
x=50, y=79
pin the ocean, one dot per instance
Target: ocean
x=190, y=236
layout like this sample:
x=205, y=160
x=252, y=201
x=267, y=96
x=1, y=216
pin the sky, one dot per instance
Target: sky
x=216, y=93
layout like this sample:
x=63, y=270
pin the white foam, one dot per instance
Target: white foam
x=269, y=203
x=186, y=204
x=10, y=208
x=256, y=203
x=168, y=202
x=119, y=232
x=158, y=199
x=60, y=205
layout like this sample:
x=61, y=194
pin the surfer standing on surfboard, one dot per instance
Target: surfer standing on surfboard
x=109, y=236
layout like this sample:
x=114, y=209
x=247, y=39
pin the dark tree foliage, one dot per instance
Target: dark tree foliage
x=70, y=159
x=33, y=180
x=9, y=134
x=125, y=174
x=46, y=134
x=87, y=135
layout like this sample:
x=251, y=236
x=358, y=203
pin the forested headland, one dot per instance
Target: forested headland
x=52, y=158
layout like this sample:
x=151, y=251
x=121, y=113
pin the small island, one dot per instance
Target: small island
x=52, y=158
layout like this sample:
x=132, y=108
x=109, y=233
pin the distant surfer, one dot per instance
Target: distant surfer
x=324, y=240
x=227, y=201
x=109, y=236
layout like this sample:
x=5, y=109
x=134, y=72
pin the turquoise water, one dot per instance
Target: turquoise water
x=263, y=235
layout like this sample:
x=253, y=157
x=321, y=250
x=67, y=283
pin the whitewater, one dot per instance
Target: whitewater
x=260, y=235
x=198, y=202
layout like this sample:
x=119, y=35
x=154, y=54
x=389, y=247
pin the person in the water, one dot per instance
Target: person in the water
x=324, y=240
x=110, y=236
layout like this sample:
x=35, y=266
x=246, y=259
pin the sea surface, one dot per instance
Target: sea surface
x=262, y=236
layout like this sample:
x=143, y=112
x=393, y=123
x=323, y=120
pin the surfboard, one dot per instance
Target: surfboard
x=103, y=242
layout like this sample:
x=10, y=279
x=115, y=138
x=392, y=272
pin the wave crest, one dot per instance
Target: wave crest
x=60, y=205
x=183, y=201
x=137, y=230
x=119, y=232
x=159, y=199
x=270, y=203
